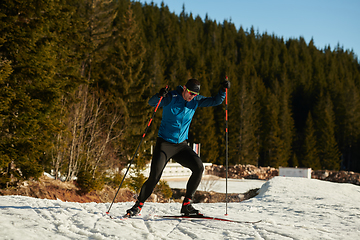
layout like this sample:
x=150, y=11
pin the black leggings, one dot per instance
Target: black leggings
x=181, y=153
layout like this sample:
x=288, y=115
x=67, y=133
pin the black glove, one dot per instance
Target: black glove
x=163, y=92
x=225, y=84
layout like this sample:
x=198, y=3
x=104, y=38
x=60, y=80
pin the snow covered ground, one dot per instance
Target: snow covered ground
x=290, y=208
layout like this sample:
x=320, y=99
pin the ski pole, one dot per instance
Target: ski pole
x=226, y=140
x=137, y=149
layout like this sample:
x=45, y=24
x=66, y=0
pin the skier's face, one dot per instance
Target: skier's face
x=188, y=95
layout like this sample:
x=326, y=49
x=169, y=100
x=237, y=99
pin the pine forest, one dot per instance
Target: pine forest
x=76, y=77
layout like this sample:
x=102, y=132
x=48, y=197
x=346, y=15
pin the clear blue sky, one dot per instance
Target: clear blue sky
x=328, y=22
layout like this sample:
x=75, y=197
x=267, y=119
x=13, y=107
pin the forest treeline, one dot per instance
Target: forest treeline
x=76, y=76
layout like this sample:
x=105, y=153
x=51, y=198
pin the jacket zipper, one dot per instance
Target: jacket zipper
x=182, y=120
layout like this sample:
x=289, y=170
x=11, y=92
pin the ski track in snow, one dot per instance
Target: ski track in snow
x=290, y=208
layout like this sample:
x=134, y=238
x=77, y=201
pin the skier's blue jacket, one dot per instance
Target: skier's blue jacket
x=178, y=113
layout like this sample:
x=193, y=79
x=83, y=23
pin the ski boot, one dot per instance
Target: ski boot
x=187, y=209
x=135, y=210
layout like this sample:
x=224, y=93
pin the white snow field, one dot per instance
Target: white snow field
x=290, y=208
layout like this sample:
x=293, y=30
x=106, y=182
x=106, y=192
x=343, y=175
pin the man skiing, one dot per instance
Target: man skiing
x=178, y=110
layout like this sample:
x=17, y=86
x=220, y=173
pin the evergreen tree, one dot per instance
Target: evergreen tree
x=246, y=148
x=212, y=53
x=310, y=157
x=34, y=52
x=348, y=119
x=273, y=143
x=172, y=47
x=6, y=97
x=126, y=62
x=325, y=122
x=286, y=120
x=154, y=66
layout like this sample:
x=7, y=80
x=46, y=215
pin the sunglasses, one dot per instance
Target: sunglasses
x=192, y=92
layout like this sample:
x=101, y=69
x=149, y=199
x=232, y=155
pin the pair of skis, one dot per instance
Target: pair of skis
x=203, y=217
x=195, y=217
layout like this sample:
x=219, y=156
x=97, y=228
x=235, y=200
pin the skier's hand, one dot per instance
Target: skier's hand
x=225, y=84
x=163, y=92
